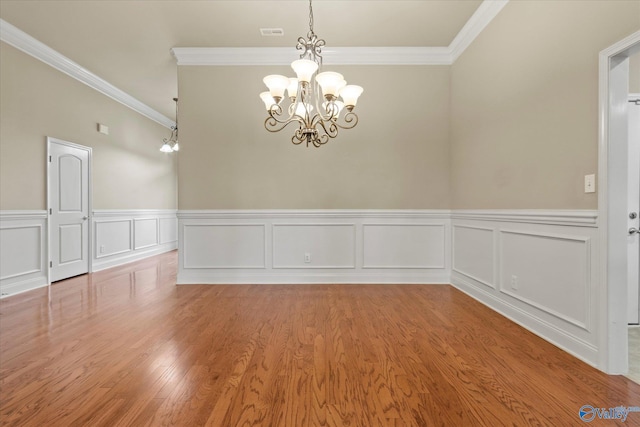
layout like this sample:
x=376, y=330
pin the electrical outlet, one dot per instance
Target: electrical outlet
x=307, y=258
x=514, y=282
x=101, y=249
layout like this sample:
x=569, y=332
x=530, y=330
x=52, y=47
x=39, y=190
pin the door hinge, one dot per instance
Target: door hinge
x=49, y=159
x=50, y=211
x=50, y=263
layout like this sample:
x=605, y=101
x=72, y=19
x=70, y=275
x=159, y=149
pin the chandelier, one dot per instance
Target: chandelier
x=314, y=96
x=170, y=145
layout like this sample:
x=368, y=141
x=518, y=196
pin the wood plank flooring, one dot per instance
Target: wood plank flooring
x=127, y=347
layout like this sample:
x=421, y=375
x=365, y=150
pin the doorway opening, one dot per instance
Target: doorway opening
x=613, y=205
x=633, y=249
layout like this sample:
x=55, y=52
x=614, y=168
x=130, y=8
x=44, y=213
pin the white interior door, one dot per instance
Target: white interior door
x=633, y=249
x=68, y=209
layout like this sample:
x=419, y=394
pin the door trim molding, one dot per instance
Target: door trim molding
x=90, y=254
x=612, y=323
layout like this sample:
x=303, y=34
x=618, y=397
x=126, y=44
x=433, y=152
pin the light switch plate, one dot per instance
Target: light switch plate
x=590, y=183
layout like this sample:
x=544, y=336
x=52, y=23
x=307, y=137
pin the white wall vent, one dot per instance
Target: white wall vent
x=272, y=32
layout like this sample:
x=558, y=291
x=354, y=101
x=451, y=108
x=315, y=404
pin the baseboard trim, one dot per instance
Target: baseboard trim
x=584, y=351
x=22, y=286
x=308, y=278
x=120, y=259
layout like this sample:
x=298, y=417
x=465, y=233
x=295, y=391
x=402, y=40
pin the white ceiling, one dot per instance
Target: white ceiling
x=128, y=43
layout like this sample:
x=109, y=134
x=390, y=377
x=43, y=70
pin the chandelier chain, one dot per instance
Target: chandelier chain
x=310, y=17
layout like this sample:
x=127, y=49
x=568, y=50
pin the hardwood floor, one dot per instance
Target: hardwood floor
x=127, y=347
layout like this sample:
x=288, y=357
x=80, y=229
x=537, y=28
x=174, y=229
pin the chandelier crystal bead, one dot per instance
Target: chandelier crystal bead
x=314, y=95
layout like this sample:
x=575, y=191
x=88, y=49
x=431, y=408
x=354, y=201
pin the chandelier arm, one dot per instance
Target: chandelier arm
x=298, y=137
x=274, y=125
x=305, y=121
x=304, y=93
x=332, y=130
x=319, y=141
x=318, y=100
x=317, y=118
x=350, y=119
x=275, y=111
x=328, y=114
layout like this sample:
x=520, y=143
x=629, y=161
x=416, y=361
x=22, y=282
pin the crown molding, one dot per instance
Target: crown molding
x=388, y=56
x=258, y=56
x=348, y=55
x=313, y=213
x=29, y=45
x=333, y=56
x=485, y=13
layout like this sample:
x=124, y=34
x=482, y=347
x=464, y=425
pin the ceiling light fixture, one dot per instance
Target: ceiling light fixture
x=170, y=145
x=311, y=91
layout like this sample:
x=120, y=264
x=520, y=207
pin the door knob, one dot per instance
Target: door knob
x=84, y=218
x=633, y=230
x=633, y=215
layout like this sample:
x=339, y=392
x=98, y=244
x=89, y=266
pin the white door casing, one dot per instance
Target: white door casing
x=613, y=203
x=69, y=207
x=633, y=249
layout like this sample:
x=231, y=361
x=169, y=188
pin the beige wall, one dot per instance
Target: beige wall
x=396, y=158
x=513, y=124
x=38, y=101
x=525, y=104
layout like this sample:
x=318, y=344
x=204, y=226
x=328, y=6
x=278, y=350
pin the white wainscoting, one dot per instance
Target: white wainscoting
x=122, y=236
x=325, y=246
x=539, y=268
x=23, y=254
x=119, y=236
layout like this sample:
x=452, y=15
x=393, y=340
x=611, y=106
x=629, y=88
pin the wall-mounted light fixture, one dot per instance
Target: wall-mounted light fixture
x=170, y=145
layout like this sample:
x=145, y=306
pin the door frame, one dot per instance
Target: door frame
x=51, y=140
x=632, y=254
x=612, y=210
